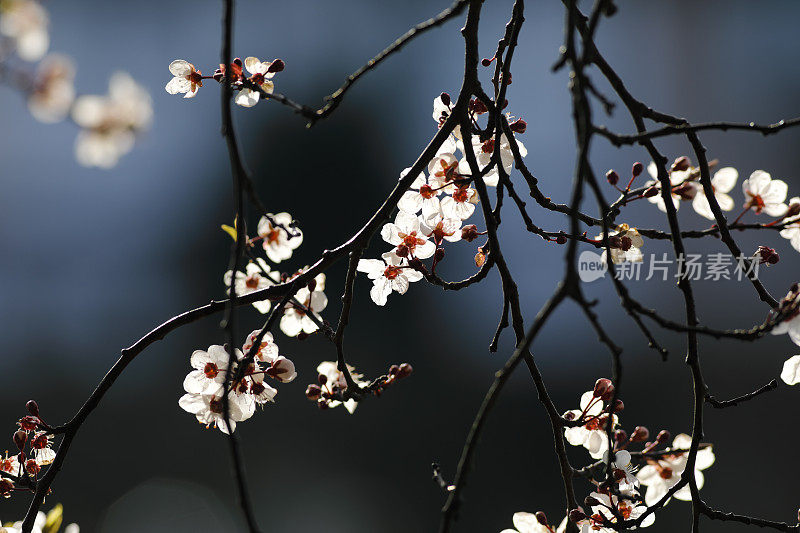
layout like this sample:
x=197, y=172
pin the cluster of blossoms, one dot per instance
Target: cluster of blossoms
x=44, y=523
x=34, y=451
x=110, y=124
x=617, y=497
x=187, y=80
x=332, y=384
x=205, y=385
x=435, y=207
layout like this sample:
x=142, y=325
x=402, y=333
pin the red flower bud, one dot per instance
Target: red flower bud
x=640, y=434
x=32, y=407
x=600, y=387
x=541, y=518
x=445, y=99
x=681, y=163
x=663, y=436
x=405, y=371
x=637, y=169
x=518, y=126
x=652, y=191
x=276, y=66
x=313, y=392
x=612, y=177
x=469, y=233
x=20, y=439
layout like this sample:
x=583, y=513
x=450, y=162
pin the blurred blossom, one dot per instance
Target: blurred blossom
x=110, y=123
x=53, y=89
x=25, y=21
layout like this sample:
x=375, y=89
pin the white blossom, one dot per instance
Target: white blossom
x=461, y=204
x=209, y=409
x=110, y=123
x=387, y=275
x=295, y=319
x=420, y=196
x=484, y=152
x=186, y=79
x=261, y=76
x=526, y=523
x=25, y=22
x=661, y=474
x=791, y=370
x=257, y=275
x=765, y=194
x=335, y=382
x=209, y=370
x=625, y=244
x=53, y=89
x=722, y=183
x=277, y=242
x=406, y=232
x=592, y=433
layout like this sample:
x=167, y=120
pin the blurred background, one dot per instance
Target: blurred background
x=94, y=259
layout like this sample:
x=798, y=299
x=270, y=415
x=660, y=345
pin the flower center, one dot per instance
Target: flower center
x=427, y=192
x=251, y=282
x=391, y=272
x=211, y=370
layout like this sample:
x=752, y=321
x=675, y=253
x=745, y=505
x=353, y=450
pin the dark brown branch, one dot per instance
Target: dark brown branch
x=720, y=404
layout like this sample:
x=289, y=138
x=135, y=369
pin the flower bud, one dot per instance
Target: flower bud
x=590, y=501
x=28, y=422
x=600, y=387
x=767, y=255
x=519, y=126
x=438, y=255
x=794, y=210
x=561, y=239
x=686, y=191
x=469, y=233
x=276, y=66
x=405, y=371
x=662, y=437
x=608, y=394
x=312, y=285
x=620, y=436
x=479, y=107
x=313, y=392
x=20, y=439
x=612, y=177
x=652, y=191
x=637, y=169
x=618, y=406
x=322, y=404
x=302, y=336
x=680, y=164
x=541, y=518
x=6, y=486
x=31, y=467
x=402, y=250
x=576, y=515
x=393, y=370
x=322, y=379
x=32, y=407
x=486, y=61
x=445, y=99
x=640, y=433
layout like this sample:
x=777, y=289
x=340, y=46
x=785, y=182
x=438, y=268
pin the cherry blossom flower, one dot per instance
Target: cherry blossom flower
x=43, y=453
x=527, y=523
x=421, y=196
x=676, y=177
x=661, y=474
x=387, y=275
x=484, y=152
x=209, y=409
x=765, y=194
x=625, y=244
x=441, y=111
x=110, y=123
x=10, y=465
x=209, y=369
x=261, y=75
x=791, y=232
x=335, y=383
x=25, y=22
x=624, y=472
x=790, y=309
x=443, y=170
x=626, y=510
x=592, y=433
x=187, y=80
x=722, y=183
x=257, y=275
x=278, y=244
x=441, y=229
x=461, y=204
x=791, y=370
x=405, y=233
x=53, y=89
x=296, y=319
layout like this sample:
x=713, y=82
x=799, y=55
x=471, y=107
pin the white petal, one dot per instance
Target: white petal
x=791, y=371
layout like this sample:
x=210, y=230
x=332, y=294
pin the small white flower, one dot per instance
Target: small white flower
x=421, y=196
x=592, y=433
x=335, y=382
x=461, y=204
x=278, y=244
x=110, y=123
x=676, y=177
x=53, y=89
x=261, y=76
x=623, y=508
x=25, y=21
x=294, y=319
x=187, y=80
x=484, y=152
x=527, y=523
x=722, y=183
x=209, y=370
x=765, y=194
x=390, y=274
x=625, y=244
x=660, y=475
x=441, y=229
x=406, y=232
x=791, y=370
x=208, y=408
x=256, y=276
